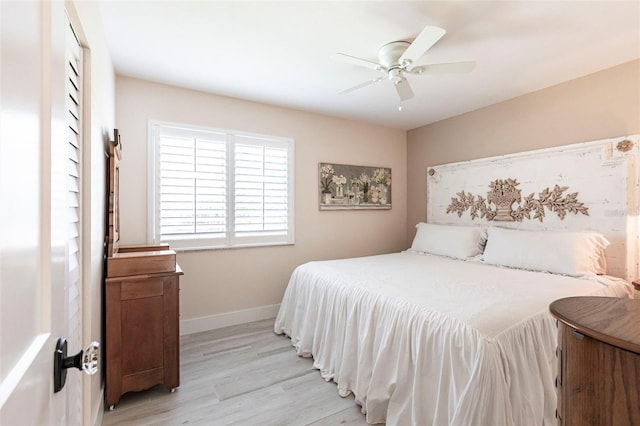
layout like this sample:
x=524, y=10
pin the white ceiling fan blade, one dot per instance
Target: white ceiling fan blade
x=403, y=89
x=427, y=38
x=361, y=85
x=359, y=62
x=448, y=68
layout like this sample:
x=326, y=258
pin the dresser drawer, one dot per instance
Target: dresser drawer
x=137, y=289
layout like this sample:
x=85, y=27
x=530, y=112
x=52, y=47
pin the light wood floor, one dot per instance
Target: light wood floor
x=242, y=375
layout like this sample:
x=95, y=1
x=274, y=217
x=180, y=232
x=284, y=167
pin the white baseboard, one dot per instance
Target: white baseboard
x=196, y=325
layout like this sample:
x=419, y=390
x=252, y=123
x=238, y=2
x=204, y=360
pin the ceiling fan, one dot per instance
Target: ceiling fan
x=398, y=58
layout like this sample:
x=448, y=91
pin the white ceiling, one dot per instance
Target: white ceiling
x=281, y=52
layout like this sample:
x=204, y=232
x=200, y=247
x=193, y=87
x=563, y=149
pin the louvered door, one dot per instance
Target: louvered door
x=73, y=99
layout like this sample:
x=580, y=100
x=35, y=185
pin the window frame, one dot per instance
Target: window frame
x=230, y=240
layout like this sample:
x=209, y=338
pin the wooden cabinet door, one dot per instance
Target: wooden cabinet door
x=142, y=335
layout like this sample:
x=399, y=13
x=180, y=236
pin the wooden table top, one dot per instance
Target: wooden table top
x=612, y=320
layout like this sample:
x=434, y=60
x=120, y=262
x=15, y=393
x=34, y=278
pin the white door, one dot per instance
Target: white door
x=36, y=239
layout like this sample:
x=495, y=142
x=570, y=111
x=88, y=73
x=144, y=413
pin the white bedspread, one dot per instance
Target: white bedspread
x=423, y=339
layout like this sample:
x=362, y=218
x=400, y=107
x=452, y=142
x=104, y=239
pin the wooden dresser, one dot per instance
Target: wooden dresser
x=598, y=380
x=141, y=307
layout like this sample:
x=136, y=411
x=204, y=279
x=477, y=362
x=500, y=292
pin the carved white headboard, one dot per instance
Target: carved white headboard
x=584, y=186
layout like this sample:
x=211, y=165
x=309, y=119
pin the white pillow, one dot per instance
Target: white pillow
x=559, y=252
x=460, y=242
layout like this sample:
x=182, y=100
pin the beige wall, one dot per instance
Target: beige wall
x=222, y=281
x=598, y=106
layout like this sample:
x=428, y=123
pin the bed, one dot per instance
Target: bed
x=456, y=330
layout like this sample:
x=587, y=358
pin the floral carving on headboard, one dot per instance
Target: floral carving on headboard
x=499, y=204
x=624, y=146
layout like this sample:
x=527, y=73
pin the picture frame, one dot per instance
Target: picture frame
x=350, y=187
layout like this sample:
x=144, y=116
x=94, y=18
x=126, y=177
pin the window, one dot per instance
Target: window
x=213, y=188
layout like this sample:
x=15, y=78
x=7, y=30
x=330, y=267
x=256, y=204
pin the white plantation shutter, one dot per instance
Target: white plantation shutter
x=213, y=188
x=261, y=188
x=193, y=180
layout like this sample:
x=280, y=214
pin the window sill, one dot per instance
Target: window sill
x=239, y=246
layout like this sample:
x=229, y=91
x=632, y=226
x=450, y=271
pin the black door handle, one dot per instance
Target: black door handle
x=85, y=360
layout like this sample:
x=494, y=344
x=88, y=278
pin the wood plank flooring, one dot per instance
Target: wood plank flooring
x=240, y=375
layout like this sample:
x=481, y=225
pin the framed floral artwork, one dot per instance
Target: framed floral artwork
x=346, y=187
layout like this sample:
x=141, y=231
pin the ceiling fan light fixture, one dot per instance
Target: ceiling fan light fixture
x=398, y=57
x=395, y=75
